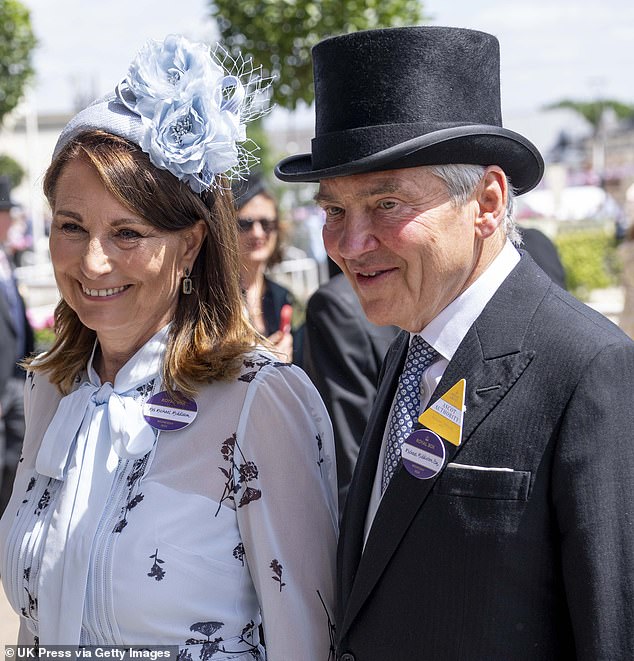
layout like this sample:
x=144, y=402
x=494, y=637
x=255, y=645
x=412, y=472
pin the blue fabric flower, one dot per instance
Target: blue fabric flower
x=169, y=70
x=192, y=111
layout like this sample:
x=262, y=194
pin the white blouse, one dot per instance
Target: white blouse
x=192, y=537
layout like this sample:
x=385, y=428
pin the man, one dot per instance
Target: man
x=544, y=253
x=16, y=341
x=343, y=353
x=502, y=529
x=7, y=352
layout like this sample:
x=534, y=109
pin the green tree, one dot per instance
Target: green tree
x=279, y=34
x=589, y=259
x=12, y=169
x=258, y=134
x=17, y=43
x=592, y=111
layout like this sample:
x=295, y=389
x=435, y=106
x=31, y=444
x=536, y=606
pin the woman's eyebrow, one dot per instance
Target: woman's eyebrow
x=69, y=214
x=115, y=223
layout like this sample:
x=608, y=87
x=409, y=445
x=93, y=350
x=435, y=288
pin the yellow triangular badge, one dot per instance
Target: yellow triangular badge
x=445, y=415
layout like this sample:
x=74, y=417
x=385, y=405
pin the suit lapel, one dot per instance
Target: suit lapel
x=491, y=360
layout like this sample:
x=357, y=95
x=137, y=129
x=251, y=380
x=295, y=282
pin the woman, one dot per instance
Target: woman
x=177, y=484
x=269, y=305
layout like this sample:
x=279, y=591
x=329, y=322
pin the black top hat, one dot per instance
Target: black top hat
x=403, y=97
x=5, y=194
x=245, y=189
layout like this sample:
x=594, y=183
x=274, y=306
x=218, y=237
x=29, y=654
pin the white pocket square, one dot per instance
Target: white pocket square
x=481, y=468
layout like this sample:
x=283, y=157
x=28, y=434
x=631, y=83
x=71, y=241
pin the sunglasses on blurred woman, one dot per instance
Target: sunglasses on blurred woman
x=268, y=225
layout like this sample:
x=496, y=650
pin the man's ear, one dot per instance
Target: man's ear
x=492, y=195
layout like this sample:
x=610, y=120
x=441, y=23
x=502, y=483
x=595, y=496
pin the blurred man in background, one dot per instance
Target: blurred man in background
x=16, y=342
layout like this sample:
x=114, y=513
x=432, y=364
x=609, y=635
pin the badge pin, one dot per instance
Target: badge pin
x=445, y=416
x=167, y=413
x=423, y=454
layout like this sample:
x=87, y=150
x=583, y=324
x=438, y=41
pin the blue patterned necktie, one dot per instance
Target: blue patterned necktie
x=407, y=403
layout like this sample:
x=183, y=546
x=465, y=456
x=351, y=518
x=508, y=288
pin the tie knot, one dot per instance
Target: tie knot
x=420, y=354
x=102, y=395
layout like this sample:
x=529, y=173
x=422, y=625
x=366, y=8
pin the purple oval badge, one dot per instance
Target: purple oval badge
x=168, y=414
x=423, y=454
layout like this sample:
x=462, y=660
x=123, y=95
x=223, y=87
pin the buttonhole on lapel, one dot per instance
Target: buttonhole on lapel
x=481, y=391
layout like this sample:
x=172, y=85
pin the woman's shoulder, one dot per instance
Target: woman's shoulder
x=41, y=399
x=255, y=365
x=38, y=385
x=259, y=360
x=263, y=369
x=261, y=377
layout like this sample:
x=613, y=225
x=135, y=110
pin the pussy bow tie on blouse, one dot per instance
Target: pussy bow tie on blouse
x=129, y=433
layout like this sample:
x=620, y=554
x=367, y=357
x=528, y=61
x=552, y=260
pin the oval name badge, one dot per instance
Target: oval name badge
x=423, y=454
x=165, y=413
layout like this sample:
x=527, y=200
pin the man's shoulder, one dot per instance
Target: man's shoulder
x=529, y=291
x=529, y=312
x=337, y=294
x=569, y=333
x=576, y=319
x=338, y=286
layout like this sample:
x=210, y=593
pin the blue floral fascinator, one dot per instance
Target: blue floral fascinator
x=184, y=106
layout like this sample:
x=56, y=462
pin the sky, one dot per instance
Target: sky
x=550, y=49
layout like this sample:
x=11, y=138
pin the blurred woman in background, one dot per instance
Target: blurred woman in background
x=268, y=304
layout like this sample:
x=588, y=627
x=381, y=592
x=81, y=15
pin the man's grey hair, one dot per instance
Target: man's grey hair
x=461, y=181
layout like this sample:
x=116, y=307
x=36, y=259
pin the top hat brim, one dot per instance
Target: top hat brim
x=475, y=145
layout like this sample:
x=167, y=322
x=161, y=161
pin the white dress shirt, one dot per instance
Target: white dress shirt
x=445, y=333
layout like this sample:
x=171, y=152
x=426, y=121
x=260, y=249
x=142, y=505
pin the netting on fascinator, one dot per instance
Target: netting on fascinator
x=187, y=108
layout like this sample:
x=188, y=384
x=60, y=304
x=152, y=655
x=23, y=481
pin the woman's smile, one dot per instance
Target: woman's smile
x=103, y=293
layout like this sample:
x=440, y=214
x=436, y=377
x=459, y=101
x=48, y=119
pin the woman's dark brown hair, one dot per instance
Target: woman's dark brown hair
x=210, y=332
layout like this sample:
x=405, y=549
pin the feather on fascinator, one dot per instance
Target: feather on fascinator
x=186, y=107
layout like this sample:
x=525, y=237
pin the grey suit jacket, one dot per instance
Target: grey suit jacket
x=532, y=562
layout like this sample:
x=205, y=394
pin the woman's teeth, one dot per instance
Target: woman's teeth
x=103, y=292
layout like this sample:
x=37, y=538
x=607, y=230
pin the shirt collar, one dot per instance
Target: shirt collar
x=447, y=330
x=143, y=365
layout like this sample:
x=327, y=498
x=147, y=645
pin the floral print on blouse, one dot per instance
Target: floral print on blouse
x=225, y=528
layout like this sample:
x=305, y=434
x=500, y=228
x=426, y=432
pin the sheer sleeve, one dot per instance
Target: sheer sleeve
x=287, y=514
x=25, y=637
